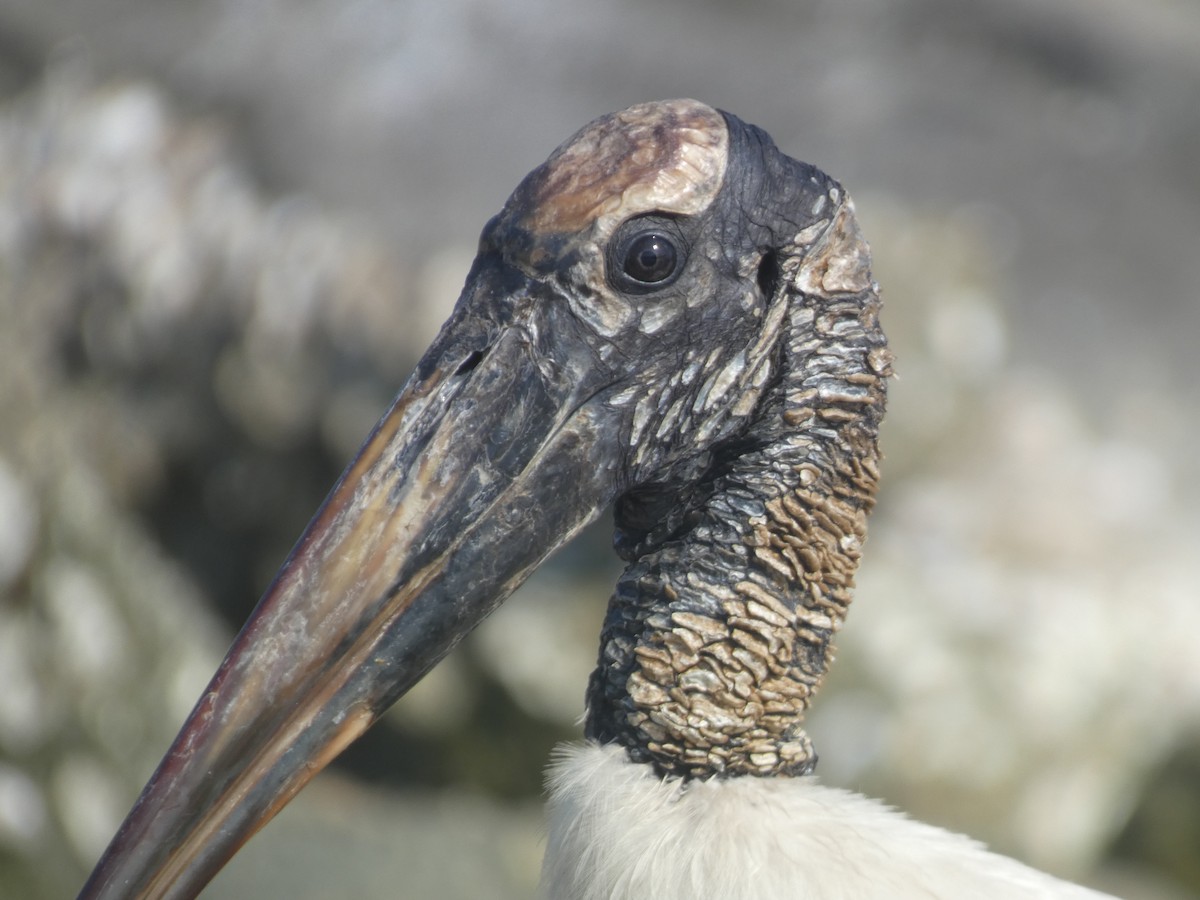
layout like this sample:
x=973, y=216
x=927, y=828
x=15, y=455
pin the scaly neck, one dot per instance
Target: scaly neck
x=720, y=630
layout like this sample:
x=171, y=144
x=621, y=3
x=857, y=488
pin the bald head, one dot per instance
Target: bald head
x=668, y=157
x=670, y=197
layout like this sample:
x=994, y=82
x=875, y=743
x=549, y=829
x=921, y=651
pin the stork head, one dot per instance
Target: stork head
x=669, y=314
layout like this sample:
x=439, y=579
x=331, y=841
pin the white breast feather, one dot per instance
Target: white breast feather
x=618, y=832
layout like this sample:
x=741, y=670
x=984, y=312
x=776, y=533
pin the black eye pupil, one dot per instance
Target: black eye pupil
x=650, y=258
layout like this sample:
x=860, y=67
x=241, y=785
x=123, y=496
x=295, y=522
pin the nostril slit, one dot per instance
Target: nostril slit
x=468, y=364
x=768, y=273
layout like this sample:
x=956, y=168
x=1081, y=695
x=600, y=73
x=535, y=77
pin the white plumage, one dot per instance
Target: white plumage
x=619, y=832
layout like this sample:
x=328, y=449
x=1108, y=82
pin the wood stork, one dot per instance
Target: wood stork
x=672, y=316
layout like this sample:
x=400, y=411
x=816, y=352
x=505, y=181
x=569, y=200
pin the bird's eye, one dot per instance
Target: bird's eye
x=646, y=254
x=650, y=258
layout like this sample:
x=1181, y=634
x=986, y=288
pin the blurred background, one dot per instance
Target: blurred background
x=228, y=228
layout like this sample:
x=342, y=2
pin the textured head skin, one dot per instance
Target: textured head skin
x=667, y=157
x=737, y=407
x=754, y=464
x=669, y=314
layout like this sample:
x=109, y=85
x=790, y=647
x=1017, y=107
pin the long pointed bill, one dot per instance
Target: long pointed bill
x=444, y=511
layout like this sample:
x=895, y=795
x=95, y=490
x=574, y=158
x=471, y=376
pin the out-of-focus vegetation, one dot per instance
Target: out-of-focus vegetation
x=226, y=231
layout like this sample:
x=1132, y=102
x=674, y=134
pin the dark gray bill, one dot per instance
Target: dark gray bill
x=487, y=461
